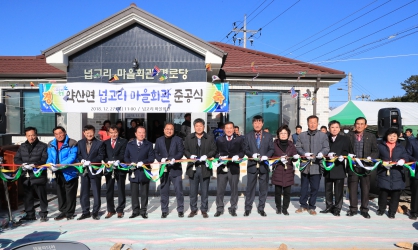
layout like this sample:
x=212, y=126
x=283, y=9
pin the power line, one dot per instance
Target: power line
x=276, y=17
x=329, y=26
x=376, y=41
x=260, y=11
x=377, y=46
x=356, y=28
x=257, y=8
x=363, y=37
x=340, y=27
x=281, y=14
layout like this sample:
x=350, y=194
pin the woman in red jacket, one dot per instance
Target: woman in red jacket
x=283, y=174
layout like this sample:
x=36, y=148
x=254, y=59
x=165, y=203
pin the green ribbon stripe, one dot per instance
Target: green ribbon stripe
x=17, y=176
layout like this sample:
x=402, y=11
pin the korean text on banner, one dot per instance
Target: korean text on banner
x=134, y=97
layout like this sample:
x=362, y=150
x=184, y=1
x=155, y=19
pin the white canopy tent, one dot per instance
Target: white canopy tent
x=349, y=111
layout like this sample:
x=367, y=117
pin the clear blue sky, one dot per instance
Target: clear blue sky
x=28, y=27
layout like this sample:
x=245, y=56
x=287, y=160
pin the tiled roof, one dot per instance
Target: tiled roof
x=27, y=65
x=239, y=60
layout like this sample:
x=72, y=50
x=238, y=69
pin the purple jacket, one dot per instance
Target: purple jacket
x=281, y=176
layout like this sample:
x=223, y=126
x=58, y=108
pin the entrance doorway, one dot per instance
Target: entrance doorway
x=155, y=125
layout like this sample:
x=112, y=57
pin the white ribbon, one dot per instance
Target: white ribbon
x=360, y=164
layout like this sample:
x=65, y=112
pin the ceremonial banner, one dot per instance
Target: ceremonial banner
x=134, y=97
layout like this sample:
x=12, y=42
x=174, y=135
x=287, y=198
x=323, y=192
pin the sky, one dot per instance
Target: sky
x=374, y=40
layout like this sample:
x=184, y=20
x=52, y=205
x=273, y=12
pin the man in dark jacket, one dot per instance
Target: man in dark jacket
x=412, y=150
x=229, y=146
x=115, y=151
x=30, y=154
x=312, y=144
x=63, y=150
x=259, y=146
x=139, y=152
x=90, y=150
x=364, y=145
x=168, y=149
x=199, y=146
x=334, y=179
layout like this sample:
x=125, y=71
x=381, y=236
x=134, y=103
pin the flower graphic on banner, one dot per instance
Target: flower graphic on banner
x=47, y=97
x=218, y=97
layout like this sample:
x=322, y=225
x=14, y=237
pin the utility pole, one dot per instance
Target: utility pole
x=350, y=84
x=363, y=96
x=244, y=30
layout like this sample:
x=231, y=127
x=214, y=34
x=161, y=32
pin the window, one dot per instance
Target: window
x=23, y=110
x=277, y=108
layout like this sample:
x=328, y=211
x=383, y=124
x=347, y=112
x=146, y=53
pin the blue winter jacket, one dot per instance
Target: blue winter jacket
x=66, y=155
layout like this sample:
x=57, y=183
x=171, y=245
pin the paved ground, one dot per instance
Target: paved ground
x=297, y=231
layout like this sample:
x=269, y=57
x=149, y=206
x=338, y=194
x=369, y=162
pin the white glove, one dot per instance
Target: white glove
x=308, y=156
x=235, y=158
x=110, y=162
x=86, y=163
x=341, y=158
x=223, y=157
x=139, y=164
x=319, y=155
x=172, y=161
x=133, y=164
x=264, y=158
x=82, y=161
x=225, y=169
x=53, y=168
x=369, y=158
x=116, y=163
x=26, y=166
x=163, y=160
x=352, y=155
x=256, y=155
x=193, y=157
x=401, y=162
x=283, y=159
x=296, y=156
x=203, y=158
x=331, y=155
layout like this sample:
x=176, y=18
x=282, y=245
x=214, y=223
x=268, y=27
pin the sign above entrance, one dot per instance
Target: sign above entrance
x=84, y=97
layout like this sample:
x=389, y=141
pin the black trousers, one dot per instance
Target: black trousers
x=250, y=190
x=414, y=195
x=334, y=188
x=120, y=178
x=222, y=180
x=94, y=183
x=29, y=200
x=278, y=191
x=353, y=181
x=395, y=195
x=136, y=193
x=177, y=181
x=309, y=190
x=67, y=194
x=195, y=182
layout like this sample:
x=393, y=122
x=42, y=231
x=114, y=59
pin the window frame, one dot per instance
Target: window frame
x=22, y=120
x=281, y=92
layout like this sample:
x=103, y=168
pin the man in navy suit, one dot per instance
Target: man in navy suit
x=115, y=151
x=140, y=152
x=169, y=148
x=229, y=146
x=90, y=150
x=259, y=146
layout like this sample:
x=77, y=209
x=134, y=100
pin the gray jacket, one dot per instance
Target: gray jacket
x=312, y=142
